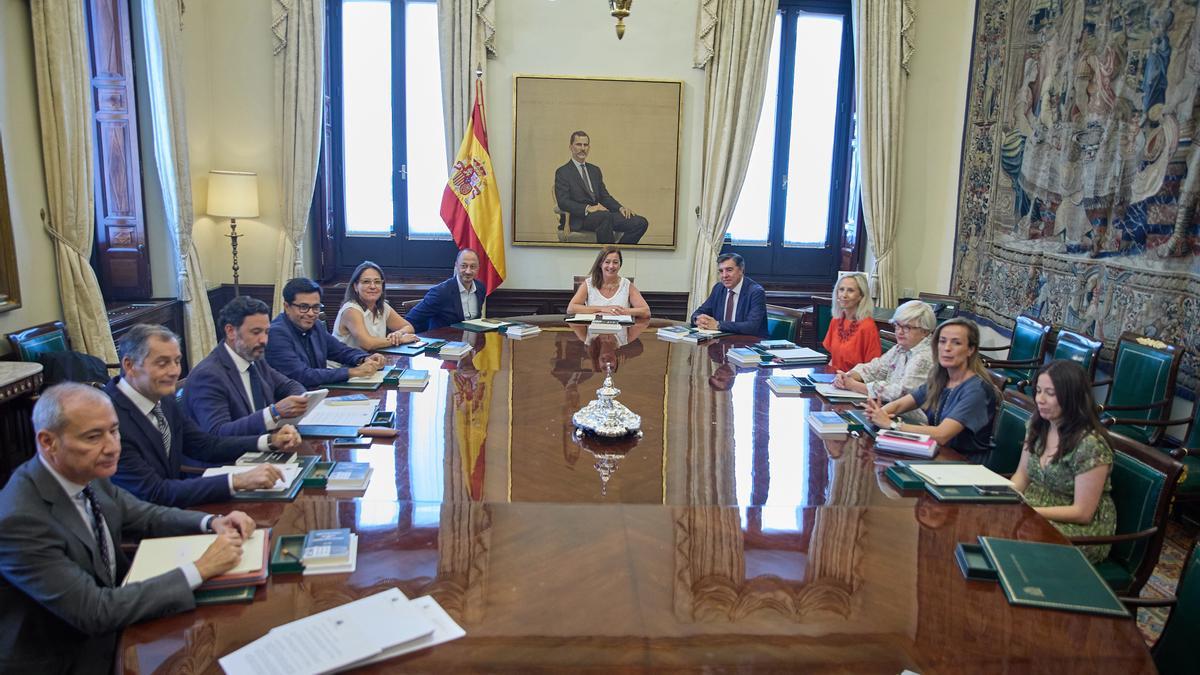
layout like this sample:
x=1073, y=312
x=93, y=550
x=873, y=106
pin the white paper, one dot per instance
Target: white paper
x=959, y=474
x=318, y=646
x=163, y=554
x=342, y=413
x=798, y=353
x=315, y=397
x=445, y=630
x=830, y=391
x=373, y=378
x=613, y=318
x=290, y=473
x=583, y=317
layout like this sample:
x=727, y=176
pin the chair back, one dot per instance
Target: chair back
x=944, y=306
x=887, y=340
x=1008, y=436
x=1192, y=438
x=40, y=339
x=783, y=323
x=1175, y=651
x=1144, y=372
x=1081, y=349
x=1028, y=339
x=823, y=312
x=407, y=305
x=1143, y=484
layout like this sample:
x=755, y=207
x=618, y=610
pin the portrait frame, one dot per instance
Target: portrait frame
x=635, y=129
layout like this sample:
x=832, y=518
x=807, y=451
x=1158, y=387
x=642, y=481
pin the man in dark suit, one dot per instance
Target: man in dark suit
x=300, y=345
x=61, y=526
x=736, y=304
x=233, y=392
x=579, y=188
x=455, y=299
x=156, y=435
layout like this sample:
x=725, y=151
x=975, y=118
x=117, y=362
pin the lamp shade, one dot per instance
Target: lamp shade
x=233, y=194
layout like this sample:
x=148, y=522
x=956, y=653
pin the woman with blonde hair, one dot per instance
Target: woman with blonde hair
x=852, y=337
x=958, y=398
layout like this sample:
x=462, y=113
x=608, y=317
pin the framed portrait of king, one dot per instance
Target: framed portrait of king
x=595, y=161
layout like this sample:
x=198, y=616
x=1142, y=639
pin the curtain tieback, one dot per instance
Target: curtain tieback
x=58, y=237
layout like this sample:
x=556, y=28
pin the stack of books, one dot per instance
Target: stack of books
x=330, y=551
x=775, y=344
x=162, y=554
x=687, y=334
x=410, y=379
x=454, y=350
x=745, y=357
x=797, y=356
x=789, y=385
x=371, y=629
x=520, y=330
x=349, y=476
x=906, y=443
x=832, y=422
x=481, y=325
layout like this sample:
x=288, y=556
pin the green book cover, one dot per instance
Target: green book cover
x=1052, y=576
x=221, y=596
x=973, y=494
x=306, y=464
x=903, y=478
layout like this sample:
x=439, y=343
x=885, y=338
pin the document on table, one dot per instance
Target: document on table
x=163, y=554
x=371, y=629
x=290, y=471
x=342, y=413
x=944, y=473
x=830, y=391
x=374, y=378
x=315, y=397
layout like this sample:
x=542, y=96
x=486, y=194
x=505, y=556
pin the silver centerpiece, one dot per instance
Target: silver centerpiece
x=605, y=416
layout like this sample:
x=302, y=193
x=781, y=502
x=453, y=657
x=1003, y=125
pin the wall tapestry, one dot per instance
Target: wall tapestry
x=1080, y=170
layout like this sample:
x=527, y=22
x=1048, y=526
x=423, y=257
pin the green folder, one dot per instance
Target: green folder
x=221, y=596
x=972, y=494
x=306, y=464
x=1052, y=576
x=904, y=478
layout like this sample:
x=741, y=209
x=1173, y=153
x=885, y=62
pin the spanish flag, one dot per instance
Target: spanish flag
x=471, y=202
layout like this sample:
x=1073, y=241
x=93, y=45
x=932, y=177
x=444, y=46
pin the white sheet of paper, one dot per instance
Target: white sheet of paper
x=342, y=413
x=290, y=473
x=316, y=647
x=163, y=554
x=799, y=353
x=445, y=630
x=315, y=397
x=959, y=474
x=374, y=377
x=831, y=391
x=583, y=317
x=613, y=318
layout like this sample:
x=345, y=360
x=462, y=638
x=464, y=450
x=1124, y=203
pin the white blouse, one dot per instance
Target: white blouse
x=376, y=325
x=619, y=299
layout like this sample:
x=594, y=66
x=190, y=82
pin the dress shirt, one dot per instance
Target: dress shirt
x=898, y=372
x=587, y=178
x=146, y=406
x=243, y=366
x=736, y=292
x=74, y=492
x=470, y=305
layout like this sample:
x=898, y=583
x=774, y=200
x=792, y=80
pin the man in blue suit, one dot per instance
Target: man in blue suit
x=455, y=299
x=300, y=345
x=233, y=392
x=736, y=304
x=156, y=435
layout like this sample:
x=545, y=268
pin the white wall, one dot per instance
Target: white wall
x=19, y=127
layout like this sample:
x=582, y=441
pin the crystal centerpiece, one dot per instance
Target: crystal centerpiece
x=605, y=416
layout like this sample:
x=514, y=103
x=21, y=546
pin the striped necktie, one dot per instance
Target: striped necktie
x=99, y=531
x=164, y=429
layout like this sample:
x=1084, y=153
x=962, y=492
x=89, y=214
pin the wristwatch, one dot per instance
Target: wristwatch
x=895, y=426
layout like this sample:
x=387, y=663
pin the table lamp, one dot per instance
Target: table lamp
x=233, y=195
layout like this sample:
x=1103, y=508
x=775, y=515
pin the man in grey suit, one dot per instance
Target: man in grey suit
x=580, y=191
x=61, y=525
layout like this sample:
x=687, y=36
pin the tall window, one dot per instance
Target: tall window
x=793, y=205
x=386, y=142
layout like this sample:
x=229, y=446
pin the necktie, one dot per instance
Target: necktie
x=98, y=531
x=587, y=180
x=730, y=305
x=163, y=428
x=258, y=399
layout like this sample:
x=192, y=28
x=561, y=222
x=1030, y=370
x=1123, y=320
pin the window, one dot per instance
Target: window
x=385, y=136
x=790, y=214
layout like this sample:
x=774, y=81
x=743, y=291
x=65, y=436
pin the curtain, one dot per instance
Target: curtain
x=60, y=47
x=466, y=39
x=298, y=33
x=163, y=31
x=881, y=53
x=733, y=96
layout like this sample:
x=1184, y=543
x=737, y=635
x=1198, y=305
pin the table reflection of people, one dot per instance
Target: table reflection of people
x=626, y=336
x=724, y=375
x=605, y=291
x=580, y=191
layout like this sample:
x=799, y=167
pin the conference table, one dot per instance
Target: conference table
x=729, y=536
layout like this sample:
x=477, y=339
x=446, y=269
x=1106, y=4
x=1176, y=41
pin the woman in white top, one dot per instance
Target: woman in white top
x=365, y=320
x=605, y=291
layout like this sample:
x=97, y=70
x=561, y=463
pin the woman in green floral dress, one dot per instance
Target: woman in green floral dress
x=1065, y=466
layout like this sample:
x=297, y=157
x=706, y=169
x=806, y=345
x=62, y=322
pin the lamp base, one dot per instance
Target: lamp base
x=233, y=237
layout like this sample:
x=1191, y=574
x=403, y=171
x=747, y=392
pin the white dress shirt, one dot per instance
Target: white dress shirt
x=74, y=492
x=243, y=366
x=470, y=304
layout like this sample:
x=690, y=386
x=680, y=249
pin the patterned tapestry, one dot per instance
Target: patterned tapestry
x=1080, y=170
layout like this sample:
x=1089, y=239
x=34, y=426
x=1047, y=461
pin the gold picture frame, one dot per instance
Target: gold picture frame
x=634, y=129
x=10, y=283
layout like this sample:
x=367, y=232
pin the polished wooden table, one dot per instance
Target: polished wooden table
x=729, y=537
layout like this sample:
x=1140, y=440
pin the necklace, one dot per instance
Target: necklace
x=847, y=328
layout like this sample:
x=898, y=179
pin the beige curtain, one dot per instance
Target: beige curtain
x=65, y=108
x=298, y=32
x=881, y=53
x=733, y=96
x=163, y=32
x=466, y=40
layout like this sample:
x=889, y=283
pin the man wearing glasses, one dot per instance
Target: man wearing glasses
x=300, y=346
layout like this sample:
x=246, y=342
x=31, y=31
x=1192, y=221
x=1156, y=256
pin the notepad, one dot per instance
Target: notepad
x=374, y=378
x=830, y=391
x=941, y=473
x=162, y=554
x=290, y=471
x=315, y=397
x=342, y=413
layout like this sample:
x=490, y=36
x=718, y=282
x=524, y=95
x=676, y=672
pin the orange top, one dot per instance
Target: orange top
x=850, y=343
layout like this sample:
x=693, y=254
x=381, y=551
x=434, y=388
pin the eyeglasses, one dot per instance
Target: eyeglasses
x=371, y=282
x=905, y=328
x=305, y=309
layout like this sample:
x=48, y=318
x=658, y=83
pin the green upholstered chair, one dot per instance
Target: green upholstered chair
x=1025, y=352
x=1142, y=386
x=1008, y=435
x=823, y=311
x=1071, y=346
x=1175, y=651
x=40, y=339
x=784, y=323
x=887, y=340
x=1143, y=484
x=1188, y=453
